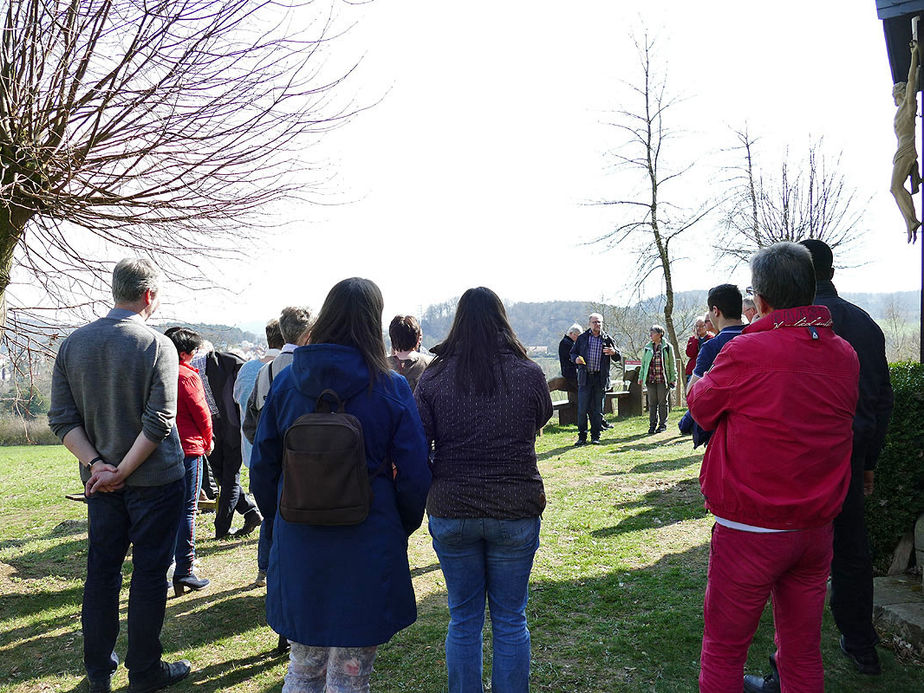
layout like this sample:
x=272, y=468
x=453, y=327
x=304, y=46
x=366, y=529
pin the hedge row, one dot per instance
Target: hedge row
x=898, y=498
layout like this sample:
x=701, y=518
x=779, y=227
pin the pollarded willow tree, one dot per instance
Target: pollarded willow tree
x=652, y=221
x=155, y=127
x=808, y=198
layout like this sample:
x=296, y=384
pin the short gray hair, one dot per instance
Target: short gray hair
x=575, y=329
x=783, y=275
x=293, y=322
x=132, y=277
x=748, y=303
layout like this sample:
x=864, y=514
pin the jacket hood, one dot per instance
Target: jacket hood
x=318, y=367
x=801, y=316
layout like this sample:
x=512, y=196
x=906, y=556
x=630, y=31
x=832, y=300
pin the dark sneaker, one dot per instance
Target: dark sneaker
x=596, y=441
x=764, y=684
x=662, y=428
x=579, y=442
x=99, y=686
x=168, y=675
x=651, y=431
x=867, y=661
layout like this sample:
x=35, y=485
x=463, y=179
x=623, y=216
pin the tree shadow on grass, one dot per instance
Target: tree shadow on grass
x=186, y=626
x=62, y=529
x=225, y=675
x=554, y=452
x=211, y=547
x=658, y=466
x=424, y=569
x=663, y=506
x=66, y=560
x=19, y=605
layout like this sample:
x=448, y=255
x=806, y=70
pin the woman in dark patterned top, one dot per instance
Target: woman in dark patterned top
x=481, y=402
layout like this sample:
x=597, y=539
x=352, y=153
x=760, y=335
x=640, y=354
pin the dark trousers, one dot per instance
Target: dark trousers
x=186, y=534
x=590, y=404
x=657, y=404
x=226, y=463
x=146, y=517
x=852, y=568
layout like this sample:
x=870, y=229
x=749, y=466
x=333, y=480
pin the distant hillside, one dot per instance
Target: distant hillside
x=222, y=336
x=542, y=324
x=908, y=303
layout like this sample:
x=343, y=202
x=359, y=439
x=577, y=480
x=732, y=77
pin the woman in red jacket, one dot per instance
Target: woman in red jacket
x=194, y=424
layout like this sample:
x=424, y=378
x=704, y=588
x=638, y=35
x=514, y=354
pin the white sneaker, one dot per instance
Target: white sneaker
x=261, y=578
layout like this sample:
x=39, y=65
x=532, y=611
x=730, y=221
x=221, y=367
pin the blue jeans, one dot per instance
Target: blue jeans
x=494, y=557
x=147, y=518
x=590, y=403
x=185, y=551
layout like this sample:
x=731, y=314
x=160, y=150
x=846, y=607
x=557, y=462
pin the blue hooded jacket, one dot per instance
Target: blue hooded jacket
x=343, y=586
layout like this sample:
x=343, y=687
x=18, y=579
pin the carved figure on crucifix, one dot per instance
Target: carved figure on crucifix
x=905, y=162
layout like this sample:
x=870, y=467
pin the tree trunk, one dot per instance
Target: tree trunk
x=13, y=221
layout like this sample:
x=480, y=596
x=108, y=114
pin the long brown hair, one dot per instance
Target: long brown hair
x=352, y=316
x=480, y=331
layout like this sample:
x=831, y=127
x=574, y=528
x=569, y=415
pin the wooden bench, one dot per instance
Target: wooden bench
x=567, y=411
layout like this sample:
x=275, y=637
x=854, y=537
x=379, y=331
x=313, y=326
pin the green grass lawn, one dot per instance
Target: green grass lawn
x=615, y=604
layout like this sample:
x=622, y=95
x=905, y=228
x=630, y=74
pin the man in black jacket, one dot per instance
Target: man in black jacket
x=591, y=353
x=852, y=568
x=220, y=373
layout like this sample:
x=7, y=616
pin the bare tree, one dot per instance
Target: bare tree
x=900, y=330
x=651, y=221
x=155, y=128
x=808, y=199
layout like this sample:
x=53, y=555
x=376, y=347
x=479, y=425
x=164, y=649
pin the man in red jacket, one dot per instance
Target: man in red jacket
x=781, y=399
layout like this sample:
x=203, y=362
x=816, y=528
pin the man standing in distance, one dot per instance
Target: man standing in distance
x=591, y=354
x=113, y=405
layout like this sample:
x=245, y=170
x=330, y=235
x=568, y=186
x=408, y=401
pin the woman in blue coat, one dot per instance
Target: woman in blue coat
x=337, y=592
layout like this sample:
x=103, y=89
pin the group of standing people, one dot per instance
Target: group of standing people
x=789, y=388
x=783, y=398
x=334, y=592
x=586, y=357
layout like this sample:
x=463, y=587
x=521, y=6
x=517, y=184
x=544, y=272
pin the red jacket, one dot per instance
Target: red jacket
x=193, y=418
x=781, y=399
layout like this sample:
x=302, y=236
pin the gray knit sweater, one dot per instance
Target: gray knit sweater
x=117, y=377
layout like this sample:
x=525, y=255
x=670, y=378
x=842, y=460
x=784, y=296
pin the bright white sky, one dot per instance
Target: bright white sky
x=476, y=166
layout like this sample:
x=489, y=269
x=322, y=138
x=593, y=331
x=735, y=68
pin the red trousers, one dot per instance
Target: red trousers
x=744, y=569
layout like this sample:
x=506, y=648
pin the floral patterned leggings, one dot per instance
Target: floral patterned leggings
x=329, y=669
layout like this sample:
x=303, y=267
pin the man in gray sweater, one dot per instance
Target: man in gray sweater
x=113, y=405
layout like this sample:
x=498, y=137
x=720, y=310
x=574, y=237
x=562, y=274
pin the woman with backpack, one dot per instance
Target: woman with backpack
x=482, y=402
x=337, y=591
